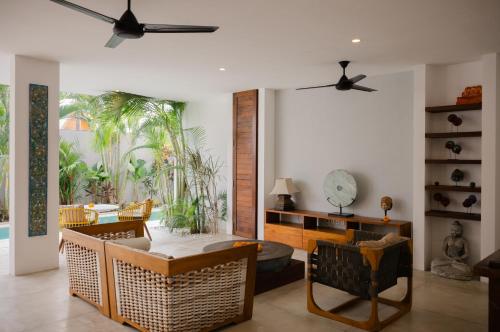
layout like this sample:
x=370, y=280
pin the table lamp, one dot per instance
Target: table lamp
x=284, y=188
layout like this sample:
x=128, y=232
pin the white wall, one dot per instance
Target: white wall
x=490, y=213
x=421, y=225
x=266, y=155
x=368, y=134
x=215, y=115
x=38, y=253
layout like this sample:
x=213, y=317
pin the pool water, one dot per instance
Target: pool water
x=4, y=233
x=105, y=219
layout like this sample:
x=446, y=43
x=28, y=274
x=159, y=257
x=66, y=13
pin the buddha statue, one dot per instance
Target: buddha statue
x=456, y=251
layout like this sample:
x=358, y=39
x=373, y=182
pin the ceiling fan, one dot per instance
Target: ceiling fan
x=345, y=83
x=127, y=27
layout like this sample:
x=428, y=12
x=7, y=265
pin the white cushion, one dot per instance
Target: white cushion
x=140, y=243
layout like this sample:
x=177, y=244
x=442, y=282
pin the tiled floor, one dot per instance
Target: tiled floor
x=40, y=302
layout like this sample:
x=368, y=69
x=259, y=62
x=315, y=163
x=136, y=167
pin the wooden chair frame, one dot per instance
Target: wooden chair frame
x=83, y=236
x=129, y=213
x=173, y=267
x=373, y=256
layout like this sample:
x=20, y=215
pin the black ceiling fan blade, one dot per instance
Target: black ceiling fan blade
x=357, y=78
x=85, y=11
x=316, y=87
x=174, y=28
x=114, y=41
x=362, y=88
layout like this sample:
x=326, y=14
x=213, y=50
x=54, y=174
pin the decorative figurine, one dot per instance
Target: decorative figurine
x=455, y=249
x=456, y=149
x=445, y=201
x=471, y=95
x=473, y=185
x=386, y=205
x=455, y=120
x=436, y=183
x=457, y=176
x=453, y=147
x=468, y=202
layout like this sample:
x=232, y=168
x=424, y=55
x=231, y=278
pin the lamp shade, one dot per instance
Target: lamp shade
x=284, y=186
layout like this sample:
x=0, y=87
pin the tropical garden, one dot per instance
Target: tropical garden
x=180, y=176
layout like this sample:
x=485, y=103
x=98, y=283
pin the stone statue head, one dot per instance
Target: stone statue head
x=456, y=229
x=386, y=203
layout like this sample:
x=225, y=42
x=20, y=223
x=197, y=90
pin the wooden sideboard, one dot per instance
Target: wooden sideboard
x=297, y=227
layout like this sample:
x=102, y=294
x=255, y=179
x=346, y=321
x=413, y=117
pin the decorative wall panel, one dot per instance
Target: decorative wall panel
x=38, y=148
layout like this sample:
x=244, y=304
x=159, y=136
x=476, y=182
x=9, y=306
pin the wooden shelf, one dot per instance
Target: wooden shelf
x=453, y=215
x=454, y=108
x=454, y=134
x=466, y=189
x=454, y=161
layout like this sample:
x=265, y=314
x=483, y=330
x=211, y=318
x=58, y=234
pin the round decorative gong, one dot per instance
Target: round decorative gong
x=340, y=189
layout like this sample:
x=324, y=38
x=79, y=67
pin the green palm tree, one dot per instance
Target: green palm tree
x=107, y=131
x=71, y=171
x=136, y=173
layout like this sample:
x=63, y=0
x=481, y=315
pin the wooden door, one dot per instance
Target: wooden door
x=245, y=109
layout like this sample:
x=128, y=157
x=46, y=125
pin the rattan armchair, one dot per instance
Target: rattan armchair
x=137, y=211
x=195, y=293
x=361, y=271
x=86, y=260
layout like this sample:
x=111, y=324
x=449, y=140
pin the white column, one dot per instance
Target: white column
x=421, y=231
x=32, y=254
x=490, y=168
x=265, y=156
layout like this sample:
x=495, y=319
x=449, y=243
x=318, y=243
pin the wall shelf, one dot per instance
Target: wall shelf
x=454, y=134
x=454, y=108
x=453, y=215
x=454, y=161
x=466, y=189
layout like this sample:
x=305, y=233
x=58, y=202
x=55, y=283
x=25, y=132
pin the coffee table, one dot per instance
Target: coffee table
x=275, y=266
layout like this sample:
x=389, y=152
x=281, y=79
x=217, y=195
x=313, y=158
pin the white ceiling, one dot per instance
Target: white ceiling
x=262, y=43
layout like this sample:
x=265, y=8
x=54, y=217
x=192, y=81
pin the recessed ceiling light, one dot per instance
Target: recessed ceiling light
x=356, y=40
x=222, y=69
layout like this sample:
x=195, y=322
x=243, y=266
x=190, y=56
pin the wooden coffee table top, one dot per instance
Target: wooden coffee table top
x=270, y=250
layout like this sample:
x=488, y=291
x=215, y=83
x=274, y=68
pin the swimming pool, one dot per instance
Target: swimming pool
x=4, y=233
x=157, y=214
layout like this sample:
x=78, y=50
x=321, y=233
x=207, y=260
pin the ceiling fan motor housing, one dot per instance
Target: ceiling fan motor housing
x=128, y=27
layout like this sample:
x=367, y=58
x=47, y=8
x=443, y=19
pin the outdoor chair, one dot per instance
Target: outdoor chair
x=76, y=216
x=137, y=211
x=362, y=271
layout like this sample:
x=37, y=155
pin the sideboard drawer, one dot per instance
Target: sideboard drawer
x=287, y=234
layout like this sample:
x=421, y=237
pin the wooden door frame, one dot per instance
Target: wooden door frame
x=255, y=151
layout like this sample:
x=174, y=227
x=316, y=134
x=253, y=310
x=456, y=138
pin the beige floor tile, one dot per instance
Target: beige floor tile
x=40, y=302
